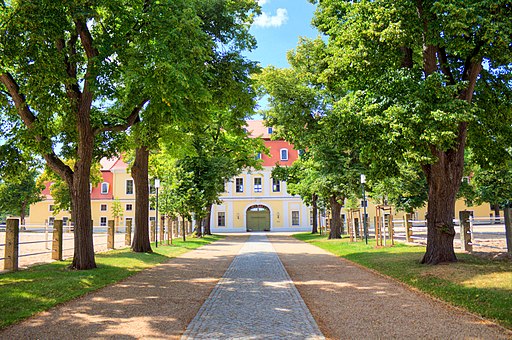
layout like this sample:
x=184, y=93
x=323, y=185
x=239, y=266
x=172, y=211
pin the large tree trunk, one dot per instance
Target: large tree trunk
x=336, y=218
x=207, y=225
x=443, y=179
x=83, y=257
x=314, y=200
x=141, y=242
x=198, y=229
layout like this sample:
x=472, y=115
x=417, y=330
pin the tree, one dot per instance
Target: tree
x=117, y=211
x=17, y=194
x=411, y=70
x=301, y=113
x=60, y=62
x=214, y=76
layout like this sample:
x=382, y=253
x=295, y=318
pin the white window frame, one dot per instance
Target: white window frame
x=297, y=222
x=126, y=187
x=270, y=130
x=126, y=207
x=103, y=224
x=241, y=186
x=221, y=216
x=103, y=205
x=276, y=184
x=281, y=155
x=258, y=187
x=51, y=207
x=103, y=192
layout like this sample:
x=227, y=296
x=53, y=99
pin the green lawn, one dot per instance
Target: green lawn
x=39, y=288
x=481, y=286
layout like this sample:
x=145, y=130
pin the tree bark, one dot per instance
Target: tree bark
x=184, y=230
x=198, y=229
x=207, y=225
x=336, y=218
x=141, y=242
x=314, y=200
x=444, y=178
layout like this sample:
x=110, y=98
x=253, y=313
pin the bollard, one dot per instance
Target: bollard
x=12, y=239
x=57, y=240
x=128, y=233
x=110, y=234
x=465, y=235
x=408, y=228
x=391, y=229
x=152, y=233
x=508, y=228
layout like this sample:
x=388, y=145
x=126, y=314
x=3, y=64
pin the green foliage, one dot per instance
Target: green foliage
x=117, y=210
x=16, y=195
x=59, y=189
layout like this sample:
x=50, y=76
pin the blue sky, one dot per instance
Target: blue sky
x=278, y=29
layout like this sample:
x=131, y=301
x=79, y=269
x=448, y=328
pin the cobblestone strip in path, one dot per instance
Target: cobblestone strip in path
x=255, y=299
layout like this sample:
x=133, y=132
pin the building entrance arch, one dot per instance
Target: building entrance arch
x=258, y=218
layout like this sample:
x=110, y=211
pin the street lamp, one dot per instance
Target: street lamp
x=365, y=221
x=157, y=185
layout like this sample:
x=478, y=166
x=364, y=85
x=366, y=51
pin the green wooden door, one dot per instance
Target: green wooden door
x=258, y=220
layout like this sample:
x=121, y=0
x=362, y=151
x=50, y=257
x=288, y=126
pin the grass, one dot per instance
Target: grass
x=478, y=285
x=39, y=288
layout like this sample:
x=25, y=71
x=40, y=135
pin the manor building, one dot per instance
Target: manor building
x=254, y=201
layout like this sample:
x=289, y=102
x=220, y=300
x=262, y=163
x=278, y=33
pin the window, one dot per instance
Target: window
x=257, y=184
x=258, y=155
x=103, y=221
x=129, y=186
x=276, y=185
x=239, y=185
x=284, y=154
x=51, y=220
x=51, y=207
x=364, y=204
x=104, y=188
x=221, y=219
x=103, y=207
x=65, y=221
x=152, y=190
x=295, y=218
x=129, y=207
x=270, y=130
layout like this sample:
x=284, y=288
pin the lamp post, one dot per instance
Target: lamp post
x=365, y=220
x=157, y=185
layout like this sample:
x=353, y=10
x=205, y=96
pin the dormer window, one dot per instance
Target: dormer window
x=104, y=188
x=284, y=154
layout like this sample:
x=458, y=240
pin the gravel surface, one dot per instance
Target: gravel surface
x=349, y=302
x=157, y=303
x=254, y=300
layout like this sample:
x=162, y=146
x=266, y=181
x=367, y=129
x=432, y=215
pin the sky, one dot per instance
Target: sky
x=278, y=29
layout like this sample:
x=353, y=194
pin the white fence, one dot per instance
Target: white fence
x=487, y=234
x=35, y=242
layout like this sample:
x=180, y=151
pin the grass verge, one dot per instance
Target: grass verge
x=481, y=286
x=39, y=288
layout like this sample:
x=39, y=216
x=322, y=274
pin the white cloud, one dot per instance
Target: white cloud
x=269, y=20
x=262, y=2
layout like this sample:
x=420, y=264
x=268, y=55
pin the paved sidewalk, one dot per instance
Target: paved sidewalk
x=255, y=299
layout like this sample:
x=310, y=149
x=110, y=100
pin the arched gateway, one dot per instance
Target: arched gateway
x=258, y=218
